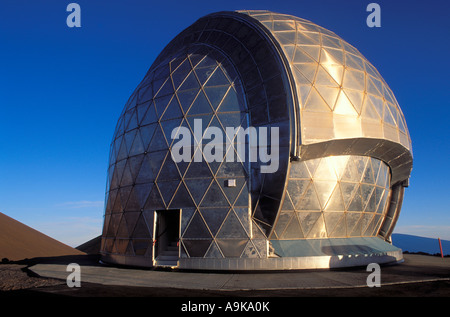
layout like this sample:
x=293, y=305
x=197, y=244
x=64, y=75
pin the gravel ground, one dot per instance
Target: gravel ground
x=15, y=277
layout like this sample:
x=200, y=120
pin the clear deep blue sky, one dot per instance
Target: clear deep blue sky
x=62, y=90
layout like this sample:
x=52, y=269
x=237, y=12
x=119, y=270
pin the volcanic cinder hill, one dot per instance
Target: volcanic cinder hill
x=18, y=242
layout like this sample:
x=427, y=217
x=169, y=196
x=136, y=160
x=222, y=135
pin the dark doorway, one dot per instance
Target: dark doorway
x=167, y=235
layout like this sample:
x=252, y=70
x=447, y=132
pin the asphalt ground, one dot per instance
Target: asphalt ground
x=420, y=281
x=418, y=275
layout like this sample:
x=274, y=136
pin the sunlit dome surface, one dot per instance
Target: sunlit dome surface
x=340, y=93
x=344, y=152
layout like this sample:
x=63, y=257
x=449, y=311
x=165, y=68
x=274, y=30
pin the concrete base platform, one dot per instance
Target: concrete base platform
x=299, y=254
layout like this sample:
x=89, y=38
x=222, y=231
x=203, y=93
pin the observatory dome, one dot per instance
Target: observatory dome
x=315, y=179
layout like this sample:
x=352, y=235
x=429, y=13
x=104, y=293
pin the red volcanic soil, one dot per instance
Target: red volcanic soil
x=18, y=242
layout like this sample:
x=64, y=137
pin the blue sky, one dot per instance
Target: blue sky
x=62, y=90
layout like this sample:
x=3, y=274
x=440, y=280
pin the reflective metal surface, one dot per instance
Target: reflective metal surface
x=344, y=148
x=334, y=197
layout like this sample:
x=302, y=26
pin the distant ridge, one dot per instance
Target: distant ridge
x=18, y=242
x=92, y=246
x=413, y=244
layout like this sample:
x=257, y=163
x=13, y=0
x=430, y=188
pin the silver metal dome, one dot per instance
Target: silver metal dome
x=343, y=152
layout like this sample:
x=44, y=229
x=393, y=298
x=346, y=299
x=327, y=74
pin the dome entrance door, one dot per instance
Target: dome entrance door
x=166, y=248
